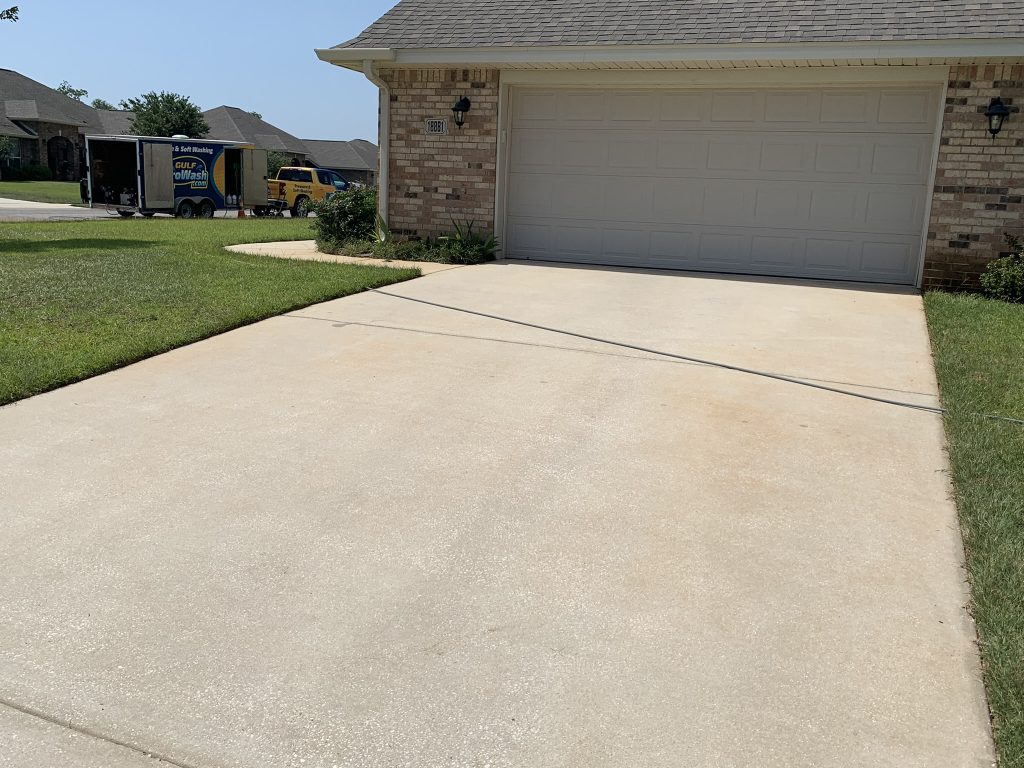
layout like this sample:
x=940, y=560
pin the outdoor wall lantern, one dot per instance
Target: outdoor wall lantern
x=996, y=113
x=460, y=109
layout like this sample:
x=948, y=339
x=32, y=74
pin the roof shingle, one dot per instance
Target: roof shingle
x=485, y=23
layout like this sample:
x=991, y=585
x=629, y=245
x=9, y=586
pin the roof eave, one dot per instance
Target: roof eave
x=353, y=58
x=966, y=50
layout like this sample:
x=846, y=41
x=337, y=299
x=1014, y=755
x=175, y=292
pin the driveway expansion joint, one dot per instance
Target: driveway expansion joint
x=93, y=734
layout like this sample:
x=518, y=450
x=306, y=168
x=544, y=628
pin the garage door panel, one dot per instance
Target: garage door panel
x=674, y=247
x=627, y=244
x=577, y=240
x=777, y=251
x=740, y=152
x=736, y=106
x=907, y=108
x=681, y=153
x=787, y=202
x=581, y=154
x=886, y=258
x=534, y=152
x=629, y=200
x=817, y=182
x=888, y=209
x=683, y=107
x=633, y=107
x=723, y=249
x=629, y=152
x=833, y=255
x=677, y=201
x=728, y=201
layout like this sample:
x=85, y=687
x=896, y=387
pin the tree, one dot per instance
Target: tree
x=275, y=162
x=11, y=14
x=6, y=149
x=166, y=114
x=71, y=92
x=101, y=104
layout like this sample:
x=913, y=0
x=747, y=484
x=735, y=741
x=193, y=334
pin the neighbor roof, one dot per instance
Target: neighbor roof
x=486, y=23
x=115, y=122
x=22, y=98
x=7, y=128
x=358, y=155
x=235, y=124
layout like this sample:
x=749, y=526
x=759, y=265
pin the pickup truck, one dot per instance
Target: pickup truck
x=295, y=188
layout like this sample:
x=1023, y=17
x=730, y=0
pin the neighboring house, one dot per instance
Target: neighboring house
x=354, y=160
x=796, y=138
x=114, y=122
x=234, y=124
x=49, y=126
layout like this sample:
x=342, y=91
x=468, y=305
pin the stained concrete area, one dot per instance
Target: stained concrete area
x=378, y=533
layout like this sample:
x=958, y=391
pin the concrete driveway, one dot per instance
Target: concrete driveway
x=26, y=210
x=379, y=533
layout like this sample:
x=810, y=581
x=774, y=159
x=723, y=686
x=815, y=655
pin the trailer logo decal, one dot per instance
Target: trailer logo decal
x=191, y=172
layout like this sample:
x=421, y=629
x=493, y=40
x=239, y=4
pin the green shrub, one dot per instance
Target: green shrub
x=345, y=216
x=34, y=172
x=1004, y=278
x=37, y=172
x=463, y=246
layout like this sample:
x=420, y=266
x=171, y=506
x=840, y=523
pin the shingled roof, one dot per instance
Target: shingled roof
x=235, y=124
x=22, y=98
x=485, y=23
x=356, y=155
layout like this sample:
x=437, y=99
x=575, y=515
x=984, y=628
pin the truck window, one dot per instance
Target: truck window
x=332, y=179
x=303, y=175
x=286, y=174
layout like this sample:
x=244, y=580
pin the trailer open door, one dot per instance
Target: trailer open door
x=157, y=175
x=254, y=177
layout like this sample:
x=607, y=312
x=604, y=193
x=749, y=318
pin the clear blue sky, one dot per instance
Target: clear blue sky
x=257, y=55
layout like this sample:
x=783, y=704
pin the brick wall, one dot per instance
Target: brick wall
x=979, y=182
x=435, y=178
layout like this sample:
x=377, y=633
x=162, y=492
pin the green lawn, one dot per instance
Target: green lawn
x=979, y=356
x=81, y=298
x=42, y=191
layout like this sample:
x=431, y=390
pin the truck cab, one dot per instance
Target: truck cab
x=295, y=188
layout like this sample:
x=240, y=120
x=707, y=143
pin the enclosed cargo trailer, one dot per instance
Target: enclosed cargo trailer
x=188, y=178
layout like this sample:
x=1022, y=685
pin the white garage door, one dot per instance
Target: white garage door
x=825, y=182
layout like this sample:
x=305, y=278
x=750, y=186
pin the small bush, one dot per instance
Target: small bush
x=1004, y=278
x=34, y=172
x=345, y=216
x=463, y=246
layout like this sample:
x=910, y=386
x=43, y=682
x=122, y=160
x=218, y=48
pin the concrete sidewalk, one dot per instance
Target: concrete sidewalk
x=307, y=251
x=374, y=532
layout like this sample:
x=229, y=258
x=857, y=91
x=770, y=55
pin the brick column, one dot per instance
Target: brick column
x=435, y=178
x=979, y=182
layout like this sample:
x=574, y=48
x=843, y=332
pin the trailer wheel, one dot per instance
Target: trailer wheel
x=186, y=210
x=259, y=211
x=206, y=210
x=149, y=215
x=125, y=214
x=301, y=208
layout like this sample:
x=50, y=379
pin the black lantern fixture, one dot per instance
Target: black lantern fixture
x=996, y=113
x=460, y=109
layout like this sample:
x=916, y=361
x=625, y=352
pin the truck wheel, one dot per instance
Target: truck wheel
x=301, y=208
x=206, y=210
x=186, y=210
x=259, y=211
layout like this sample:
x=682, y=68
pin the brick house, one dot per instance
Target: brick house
x=807, y=138
x=48, y=127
